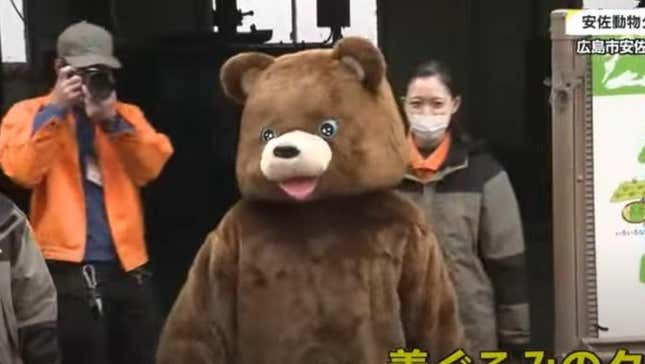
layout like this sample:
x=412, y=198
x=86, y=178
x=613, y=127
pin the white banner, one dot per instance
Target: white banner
x=605, y=22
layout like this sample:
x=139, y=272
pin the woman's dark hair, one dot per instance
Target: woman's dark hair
x=439, y=69
x=442, y=71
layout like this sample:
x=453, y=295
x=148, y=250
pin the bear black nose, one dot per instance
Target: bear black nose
x=286, y=152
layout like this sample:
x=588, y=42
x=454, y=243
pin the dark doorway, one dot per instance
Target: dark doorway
x=171, y=70
x=500, y=51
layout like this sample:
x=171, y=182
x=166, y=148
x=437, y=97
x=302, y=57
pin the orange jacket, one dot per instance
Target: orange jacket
x=47, y=162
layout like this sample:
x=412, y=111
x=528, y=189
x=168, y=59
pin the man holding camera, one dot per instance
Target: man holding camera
x=85, y=155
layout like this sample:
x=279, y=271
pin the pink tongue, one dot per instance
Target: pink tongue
x=299, y=188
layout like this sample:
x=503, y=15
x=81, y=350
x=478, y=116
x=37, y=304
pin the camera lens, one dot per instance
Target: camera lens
x=100, y=84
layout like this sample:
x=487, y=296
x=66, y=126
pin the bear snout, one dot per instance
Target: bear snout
x=296, y=154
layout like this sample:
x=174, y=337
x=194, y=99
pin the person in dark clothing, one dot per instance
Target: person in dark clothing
x=28, y=331
x=469, y=202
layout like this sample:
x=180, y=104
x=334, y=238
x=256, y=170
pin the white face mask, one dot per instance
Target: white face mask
x=429, y=128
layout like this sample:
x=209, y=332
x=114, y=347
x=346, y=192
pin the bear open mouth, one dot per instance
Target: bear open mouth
x=299, y=188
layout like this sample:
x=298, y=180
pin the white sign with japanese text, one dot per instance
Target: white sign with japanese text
x=605, y=22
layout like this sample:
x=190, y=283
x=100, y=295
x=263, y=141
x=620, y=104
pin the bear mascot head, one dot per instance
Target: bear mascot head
x=320, y=261
x=316, y=124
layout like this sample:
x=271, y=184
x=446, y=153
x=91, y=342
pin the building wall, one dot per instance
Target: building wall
x=11, y=32
x=275, y=14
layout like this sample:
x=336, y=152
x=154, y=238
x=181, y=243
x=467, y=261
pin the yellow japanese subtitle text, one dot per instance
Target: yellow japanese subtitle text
x=459, y=356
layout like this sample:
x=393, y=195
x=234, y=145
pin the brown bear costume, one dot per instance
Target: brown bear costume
x=320, y=262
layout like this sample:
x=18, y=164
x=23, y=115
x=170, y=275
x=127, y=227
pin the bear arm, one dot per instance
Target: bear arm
x=200, y=328
x=428, y=299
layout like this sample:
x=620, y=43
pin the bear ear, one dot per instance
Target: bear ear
x=362, y=58
x=239, y=74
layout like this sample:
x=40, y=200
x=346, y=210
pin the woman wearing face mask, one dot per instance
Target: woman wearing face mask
x=470, y=204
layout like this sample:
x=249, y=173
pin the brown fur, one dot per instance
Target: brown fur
x=344, y=278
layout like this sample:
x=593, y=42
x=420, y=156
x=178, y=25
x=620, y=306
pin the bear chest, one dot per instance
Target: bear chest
x=306, y=285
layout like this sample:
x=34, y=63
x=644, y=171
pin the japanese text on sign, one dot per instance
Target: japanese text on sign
x=611, y=46
x=605, y=22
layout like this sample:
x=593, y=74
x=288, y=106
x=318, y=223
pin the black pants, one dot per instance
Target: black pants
x=128, y=329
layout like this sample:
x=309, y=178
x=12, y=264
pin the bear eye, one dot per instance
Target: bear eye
x=328, y=129
x=267, y=134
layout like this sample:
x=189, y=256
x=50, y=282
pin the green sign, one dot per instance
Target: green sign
x=618, y=74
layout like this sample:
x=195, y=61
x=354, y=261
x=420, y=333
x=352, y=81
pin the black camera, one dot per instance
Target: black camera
x=98, y=80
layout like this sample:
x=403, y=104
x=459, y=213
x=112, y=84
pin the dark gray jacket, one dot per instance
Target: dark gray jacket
x=471, y=206
x=28, y=308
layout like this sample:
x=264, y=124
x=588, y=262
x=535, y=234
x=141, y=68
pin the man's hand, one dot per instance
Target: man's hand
x=100, y=111
x=68, y=90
